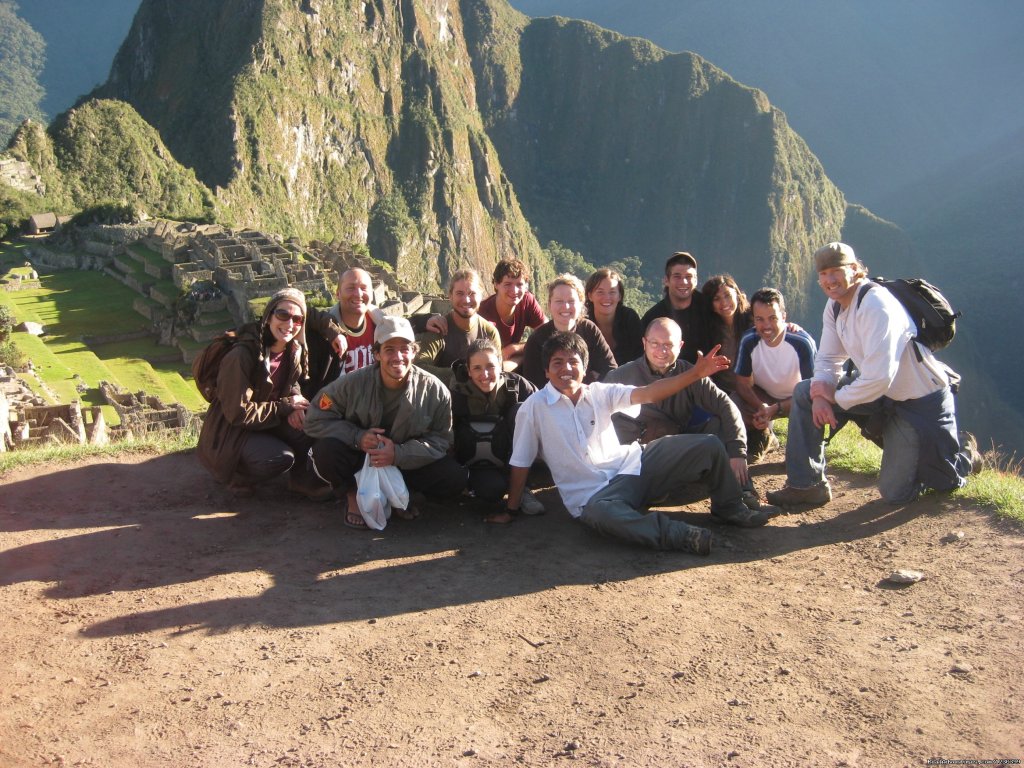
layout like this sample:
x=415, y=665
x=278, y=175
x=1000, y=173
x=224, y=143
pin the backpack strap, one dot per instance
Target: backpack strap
x=861, y=292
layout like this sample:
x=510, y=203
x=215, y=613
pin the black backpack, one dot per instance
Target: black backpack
x=206, y=364
x=933, y=315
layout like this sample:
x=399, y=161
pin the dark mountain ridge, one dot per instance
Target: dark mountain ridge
x=420, y=131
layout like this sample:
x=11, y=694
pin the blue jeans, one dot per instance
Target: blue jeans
x=805, y=448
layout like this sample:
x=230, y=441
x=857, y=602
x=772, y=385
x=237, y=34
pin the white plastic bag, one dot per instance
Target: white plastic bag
x=378, y=489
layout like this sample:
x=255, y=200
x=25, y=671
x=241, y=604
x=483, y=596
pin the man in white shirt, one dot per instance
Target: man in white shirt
x=898, y=383
x=606, y=484
x=770, y=361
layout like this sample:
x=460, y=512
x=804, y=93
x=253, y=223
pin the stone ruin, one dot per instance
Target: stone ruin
x=19, y=174
x=217, y=272
x=142, y=414
x=26, y=420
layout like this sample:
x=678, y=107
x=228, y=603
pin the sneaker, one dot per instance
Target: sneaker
x=530, y=504
x=310, y=486
x=969, y=447
x=817, y=495
x=744, y=517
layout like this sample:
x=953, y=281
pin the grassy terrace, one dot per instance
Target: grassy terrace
x=75, y=305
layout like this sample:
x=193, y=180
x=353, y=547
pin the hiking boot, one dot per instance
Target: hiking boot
x=530, y=504
x=969, y=447
x=743, y=517
x=750, y=499
x=817, y=495
x=309, y=485
x=695, y=540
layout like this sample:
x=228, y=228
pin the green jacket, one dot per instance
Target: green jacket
x=432, y=356
x=349, y=406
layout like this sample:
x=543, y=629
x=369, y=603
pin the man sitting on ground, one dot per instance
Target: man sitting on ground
x=392, y=412
x=674, y=415
x=898, y=385
x=770, y=362
x=607, y=484
x=358, y=317
x=439, y=351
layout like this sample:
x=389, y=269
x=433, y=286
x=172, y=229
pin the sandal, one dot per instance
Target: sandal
x=499, y=518
x=410, y=513
x=413, y=510
x=352, y=519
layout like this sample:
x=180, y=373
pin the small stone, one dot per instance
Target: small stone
x=952, y=537
x=571, y=746
x=732, y=754
x=469, y=753
x=904, y=576
x=961, y=668
x=476, y=673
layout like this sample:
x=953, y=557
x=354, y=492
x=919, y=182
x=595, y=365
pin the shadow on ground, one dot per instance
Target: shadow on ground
x=163, y=521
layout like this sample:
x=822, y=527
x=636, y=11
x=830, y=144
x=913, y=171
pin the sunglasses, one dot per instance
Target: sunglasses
x=284, y=316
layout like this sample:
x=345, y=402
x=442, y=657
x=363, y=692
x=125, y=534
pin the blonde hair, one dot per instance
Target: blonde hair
x=570, y=280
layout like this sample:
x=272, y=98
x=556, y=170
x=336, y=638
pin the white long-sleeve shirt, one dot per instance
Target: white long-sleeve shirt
x=877, y=335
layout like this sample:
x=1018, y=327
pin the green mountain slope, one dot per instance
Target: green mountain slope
x=881, y=91
x=345, y=120
x=103, y=151
x=429, y=131
x=619, y=149
x=22, y=54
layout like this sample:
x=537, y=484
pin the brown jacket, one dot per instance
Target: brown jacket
x=243, y=396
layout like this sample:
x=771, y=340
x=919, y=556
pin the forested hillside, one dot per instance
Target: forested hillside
x=22, y=53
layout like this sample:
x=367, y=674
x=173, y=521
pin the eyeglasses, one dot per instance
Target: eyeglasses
x=284, y=316
x=660, y=347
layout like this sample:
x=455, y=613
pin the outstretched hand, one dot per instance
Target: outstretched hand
x=711, y=363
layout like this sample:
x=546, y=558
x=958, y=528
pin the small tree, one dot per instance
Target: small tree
x=6, y=322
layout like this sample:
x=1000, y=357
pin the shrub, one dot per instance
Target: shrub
x=6, y=322
x=11, y=356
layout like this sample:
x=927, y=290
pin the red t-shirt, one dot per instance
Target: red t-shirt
x=528, y=314
x=360, y=346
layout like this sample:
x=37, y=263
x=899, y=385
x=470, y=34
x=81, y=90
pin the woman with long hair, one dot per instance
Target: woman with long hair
x=730, y=319
x=566, y=308
x=619, y=324
x=253, y=430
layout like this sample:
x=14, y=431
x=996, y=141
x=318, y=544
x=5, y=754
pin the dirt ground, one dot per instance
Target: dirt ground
x=149, y=620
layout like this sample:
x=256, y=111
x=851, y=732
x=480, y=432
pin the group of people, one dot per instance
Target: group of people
x=626, y=413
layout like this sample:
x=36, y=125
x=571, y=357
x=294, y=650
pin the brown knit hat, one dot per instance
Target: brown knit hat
x=834, y=255
x=296, y=297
